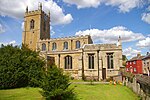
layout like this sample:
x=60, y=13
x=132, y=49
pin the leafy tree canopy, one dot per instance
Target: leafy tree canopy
x=124, y=58
x=19, y=67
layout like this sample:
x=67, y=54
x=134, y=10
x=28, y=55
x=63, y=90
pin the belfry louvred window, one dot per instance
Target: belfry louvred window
x=32, y=24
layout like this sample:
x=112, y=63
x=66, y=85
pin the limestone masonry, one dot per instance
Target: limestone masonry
x=76, y=55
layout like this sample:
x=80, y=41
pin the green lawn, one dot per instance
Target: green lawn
x=84, y=92
x=104, y=92
x=21, y=94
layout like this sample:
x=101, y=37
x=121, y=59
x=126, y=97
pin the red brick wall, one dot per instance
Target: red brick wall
x=139, y=66
x=134, y=66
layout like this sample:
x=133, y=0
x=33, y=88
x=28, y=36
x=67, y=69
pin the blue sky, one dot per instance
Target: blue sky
x=104, y=20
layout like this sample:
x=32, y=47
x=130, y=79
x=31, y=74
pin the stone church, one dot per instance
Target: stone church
x=75, y=54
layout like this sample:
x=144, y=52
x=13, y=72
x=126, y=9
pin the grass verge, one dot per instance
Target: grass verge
x=84, y=92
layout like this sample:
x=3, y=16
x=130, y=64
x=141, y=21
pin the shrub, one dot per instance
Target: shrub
x=19, y=67
x=55, y=85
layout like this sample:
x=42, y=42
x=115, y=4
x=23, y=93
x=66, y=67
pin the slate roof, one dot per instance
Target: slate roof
x=147, y=56
x=143, y=79
x=136, y=58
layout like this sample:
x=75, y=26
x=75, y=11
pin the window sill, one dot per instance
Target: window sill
x=43, y=51
x=70, y=69
x=111, y=69
x=91, y=70
x=65, y=49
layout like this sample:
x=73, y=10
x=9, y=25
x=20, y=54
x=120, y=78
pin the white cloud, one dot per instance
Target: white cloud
x=84, y=3
x=22, y=25
x=52, y=31
x=144, y=43
x=146, y=17
x=111, y=35
x=12, y=42
x=7, y=43
x=123, y=5
x=130, y=52
x=17, y=9
x=2, y=30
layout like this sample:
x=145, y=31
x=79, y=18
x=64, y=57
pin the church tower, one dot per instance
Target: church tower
x=36, y=27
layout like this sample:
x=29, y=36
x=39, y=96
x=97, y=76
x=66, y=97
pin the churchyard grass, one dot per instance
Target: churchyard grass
x=104, y=92
x=83, y=91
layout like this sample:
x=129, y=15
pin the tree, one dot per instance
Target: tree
x=34, y=65
x=19, y=67
x=55, y=85
x=124, y=59
x=23, y=67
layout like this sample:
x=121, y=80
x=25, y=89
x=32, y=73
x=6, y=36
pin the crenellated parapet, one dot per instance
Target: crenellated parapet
x=44, y=40
x=100, y=47
x=73, y=42
x=36, y=12
x=65, y=38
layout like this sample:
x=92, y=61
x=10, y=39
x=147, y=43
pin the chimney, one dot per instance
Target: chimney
x=147, y=53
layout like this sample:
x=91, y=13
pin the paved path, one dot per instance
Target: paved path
x=89, y=82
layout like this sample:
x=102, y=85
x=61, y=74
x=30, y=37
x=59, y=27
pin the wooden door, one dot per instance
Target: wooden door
x=104, y=73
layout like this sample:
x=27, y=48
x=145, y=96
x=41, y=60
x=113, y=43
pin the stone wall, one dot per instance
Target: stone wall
x=30, y=37
x=146, y=64
x=80, y=60
x=60, y=43
x=141, y=89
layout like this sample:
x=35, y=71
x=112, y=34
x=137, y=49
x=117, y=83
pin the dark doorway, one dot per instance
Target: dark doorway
x=104, y=73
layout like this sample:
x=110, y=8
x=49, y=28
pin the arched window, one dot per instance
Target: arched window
x=77, y=44
x=91, y=61
x=110, y=62
x=43, y=47
x=32, y=24
x=54, y=46
x=68, y=62
x=65, y=45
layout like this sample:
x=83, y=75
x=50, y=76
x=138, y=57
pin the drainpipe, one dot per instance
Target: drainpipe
x=59, y=60
x=83, y=65
x=71, y=44
x=98, y=62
